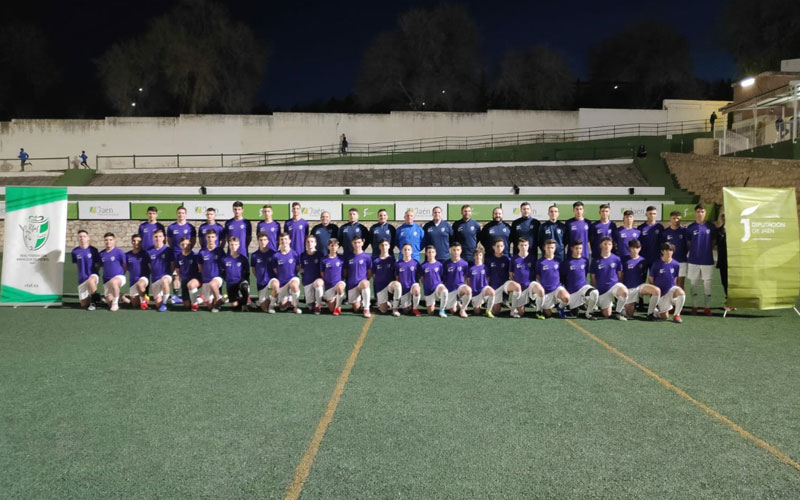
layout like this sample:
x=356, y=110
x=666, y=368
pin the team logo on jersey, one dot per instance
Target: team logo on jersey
x=35, y=232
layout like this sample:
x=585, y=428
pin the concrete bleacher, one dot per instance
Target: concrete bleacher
x=28, y=180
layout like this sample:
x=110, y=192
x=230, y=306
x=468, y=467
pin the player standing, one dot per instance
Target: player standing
x=240, y=227
x=382, y=230
x=210, y=224
x=87, y=259
x=675, y=234
x=175, y=233
x=578, y=229
x=605, y=277
x=601, y=228
x=296, y=228
x=349, y=231
x=270, y=227
x=573, y=275
x=662, y=275
x=553, y=229
x=526, y=226
x=651, y=237
x=466, y=231
x=113, y=261
x=625, y=234
x=700, y=238
x=146, y=229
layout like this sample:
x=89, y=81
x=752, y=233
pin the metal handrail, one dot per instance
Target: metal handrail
x=21, y=168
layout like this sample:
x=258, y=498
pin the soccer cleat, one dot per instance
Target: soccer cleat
x=367, y=314
x=539, y=315
x=514, y=313
x=694, y=311
x=463, y=313
x=561, y=312
x=337, y=311
x=651, y=317
x=489, y=314
x=215, y=309
x=195, y=307
x=143, y=305
x=395, y=313
x=590, y=317
x=220, y=302
x=91, y=307
x=297, y=310
x=677, y=318
x=176, y=300
x=317, y=310
x=415, y=312
x=114, y=308
x=621, y=317
x=707, y=311
x=162, y=308
x=442, y=313
x=271, y=311
x=252, y=306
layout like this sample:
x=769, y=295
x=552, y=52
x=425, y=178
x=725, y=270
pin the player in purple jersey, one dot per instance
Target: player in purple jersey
x=188, y=273
x=310, y=264
x=432, y=286
x=180, y=229
x=270, y=227
x=208, y=263
x=650, y=238
x=481, y=291
x=162, y=265
x=573, y=275
x=700, y=237
x=146, y=229
x=605, y=277
x=331, y=281
x=676, y=235
x=240, y=227
x=523, y=270
x=600, y=229
x=138, y=274
x=633, y=275
x=406, y=271
x=284, y=285
x=236, y=269
x=357, y=270
x=260, y=262
x=578, y=229
x=296, y=228
x=383, y=278
x=548, y=274
x=114, y=266
x=212, y=225
x=662, y=275
x=454, y=275
x=87, y=258
x=624, y=234
x=499, y=271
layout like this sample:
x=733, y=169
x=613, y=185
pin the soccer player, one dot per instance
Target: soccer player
x=209, y=261
x=700, y=237
x=138, y=272
x=624, y=234
x=324, y=231
x=146, y=229
x=438, y=233
x=261, y=262
x=481, y=291
x=494, y=230
x=601, y=228
x=578, y=229
x=573, y=275
x=236, y=270
x=383, y=278
x=553, y=229
x=162, y=264
x=633, y=275
x=675, y=234
x=662, y=275
x=349, y=231
x=431, y=273
x=466, y=231
x=284, y=285
x=310, y=264
x=523, y=268
x=188, y=273
x=358, y=268
x=407, y=272
x=331, y=281
x=296, y=228
x=410, y=233
x=499, y=264
x=454, y=275
x=87, y=259
x=210, y=224
x=240, y=227
x=651, y=237
x=526, y=227
x=270, y=227
x=113, y=261
x=604, y=272
x=382, y=230
x=180, y=229
x=548, y=274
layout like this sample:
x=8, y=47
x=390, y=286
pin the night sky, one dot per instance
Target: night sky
x=315, y=48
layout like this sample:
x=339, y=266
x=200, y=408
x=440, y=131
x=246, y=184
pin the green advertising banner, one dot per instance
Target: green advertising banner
x=480, y=211
x=687, y=212
x=763, y=247
x=368, y=211
x=166, y=211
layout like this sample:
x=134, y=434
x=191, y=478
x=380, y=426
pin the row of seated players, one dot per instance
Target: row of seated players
x=549, y=283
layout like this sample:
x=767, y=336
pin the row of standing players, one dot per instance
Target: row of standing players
x=466, y=233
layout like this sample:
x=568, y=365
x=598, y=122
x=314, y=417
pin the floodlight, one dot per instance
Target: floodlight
x=747, y=82
x=133, y=104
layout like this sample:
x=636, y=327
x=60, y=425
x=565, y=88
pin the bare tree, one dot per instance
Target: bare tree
x=538, y=78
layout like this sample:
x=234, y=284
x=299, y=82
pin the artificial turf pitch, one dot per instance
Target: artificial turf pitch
x=140, y=404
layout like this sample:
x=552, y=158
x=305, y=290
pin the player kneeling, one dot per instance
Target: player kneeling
x=407, y=271
x=662, y=274
x=260, y=262
x=548, y=274
x=455, y=272
x=358, y=269
x=605, y=277
x=383, y=279
x=523, y=266
x=633, y=277
x=431, y=271
x=581, y=294
x=188, y=277
x=330, y=284
x=237, y=273
x=310, y=263
x=209, y=261
x=285, y=285
x=500, y=278
x=481, y=291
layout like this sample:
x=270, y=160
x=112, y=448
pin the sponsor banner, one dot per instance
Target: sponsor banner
x=423, y=210
x=368, y=211
x=480, y=211
x=763, y=247
x=254, y=211
x=312, y=210
x=72, y=210
x=196, y=210
x=639, y=209
x=104, y=210
x=33, y=251
x=687, y=212
x=166, y=210
x=511, y=210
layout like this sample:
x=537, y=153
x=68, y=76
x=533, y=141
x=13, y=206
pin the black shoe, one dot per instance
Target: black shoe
x=651, y=317
x=590, y=317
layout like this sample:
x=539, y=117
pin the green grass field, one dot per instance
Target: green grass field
x=139, y=404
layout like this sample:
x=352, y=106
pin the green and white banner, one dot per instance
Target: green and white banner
x=763, y=247
x=33, y=254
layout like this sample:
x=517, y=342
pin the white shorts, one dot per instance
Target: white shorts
x=499, y=292
x=283, y=292
x=682, y=267
x=330, y=293
x=132, y=291
x=430, y=300
x=578, y=298
x=382, y=297
x=633, y=294
x=479, y=299
x=205, y=289
x=406, y=300
x=607, y=298
x=452, y=297
x=705, y=272
x=107, y=284
x=83, y=288
x=665, y=302
x=156, y=289
x=263, y=295
x=550, y=298
x=354, y=295
x=527, y=293
x=310, y=294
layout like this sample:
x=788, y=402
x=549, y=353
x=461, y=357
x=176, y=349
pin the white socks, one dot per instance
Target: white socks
x=365, y=298
x=651, y=307
x=591, y=300
x=678, y=303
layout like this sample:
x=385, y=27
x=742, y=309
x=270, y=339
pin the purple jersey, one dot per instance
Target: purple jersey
x=597, y=232
x=650, y=240
x=431, y=273
x=260, y=263
x=310, y=265
x=523, y=269
x=211, y=261
x=700, y=240
x=578, y=230
x=549, y=273
x=498, y=270
x=622, y=238
x=87, y=260
x=678, y=239
x=664, y=274
x=477, y=278
x=573, y=273
x=187, y=266
x=605, y=272
x=137, y=265
x=284, y=266
x=176, y=232
x=160, y=260
x=297, y=231
x=382, y=272
x=146, y=231
x=235, y=269
x=634, y=272
x=273, y=229
x=241, y=229
x=210, y=228
x=113, y=263
x=455, y=273
x=358, y=267
x=406, y=272
x=331, y=268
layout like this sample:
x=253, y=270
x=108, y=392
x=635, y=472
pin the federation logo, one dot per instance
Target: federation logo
x=35, y=232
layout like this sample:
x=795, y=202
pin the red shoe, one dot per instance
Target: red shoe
x=677, y=318
x=415, y=312
x=694, y=311
x=707, y=311
x=195, y=307
x=337, y=311
x=143, y=305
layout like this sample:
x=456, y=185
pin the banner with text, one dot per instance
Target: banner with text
x=104, y=210
x=423, y=210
